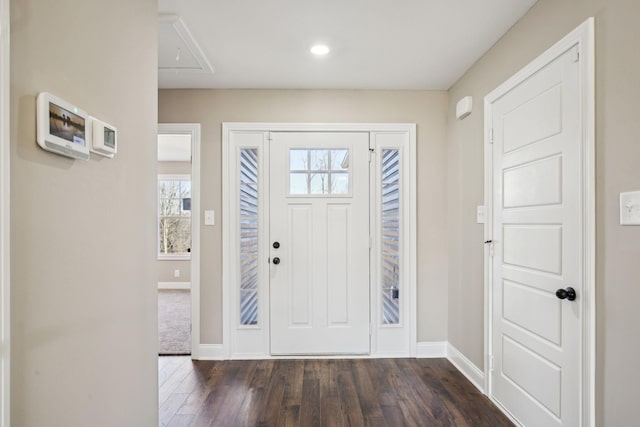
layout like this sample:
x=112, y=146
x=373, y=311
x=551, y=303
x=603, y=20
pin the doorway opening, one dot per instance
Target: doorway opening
x=319, y=239
x=177, y=231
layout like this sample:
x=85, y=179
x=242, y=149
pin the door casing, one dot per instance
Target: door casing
x=5, y=247
x=192, y=129
x=583, y=36
x=232, y=346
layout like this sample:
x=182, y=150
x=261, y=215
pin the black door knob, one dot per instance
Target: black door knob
x=276, y=260
x=568, y=293
x=276, y=245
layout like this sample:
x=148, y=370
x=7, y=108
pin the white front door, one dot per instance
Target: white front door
x=319, y=248
x=538, y=246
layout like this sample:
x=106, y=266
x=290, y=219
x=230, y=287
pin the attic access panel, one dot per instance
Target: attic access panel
x=177, y=49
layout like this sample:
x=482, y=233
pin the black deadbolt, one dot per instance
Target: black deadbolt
x=276, y=260
x=276, y=245
x=568, y=293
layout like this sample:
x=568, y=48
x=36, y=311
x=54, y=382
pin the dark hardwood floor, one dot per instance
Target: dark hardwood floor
x=358, y=392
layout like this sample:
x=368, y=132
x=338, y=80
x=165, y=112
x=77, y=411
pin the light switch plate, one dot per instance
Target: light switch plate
x=209, y=218
x=480, y=215
x=630, y=208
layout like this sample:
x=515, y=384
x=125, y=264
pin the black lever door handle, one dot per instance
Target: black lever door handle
x=276, y=260
x=568, y=293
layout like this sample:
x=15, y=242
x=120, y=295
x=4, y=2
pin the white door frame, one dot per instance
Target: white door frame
x=583, y=36
x=194, y=130
x=5, y=241
x=261, y=333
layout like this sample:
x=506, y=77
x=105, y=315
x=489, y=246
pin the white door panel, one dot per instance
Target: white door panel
x=533, y=246
x=539, y=118
x=319, y=214
x=301, y=287
x=534, y=184
x=545, y=323
x=528, y=370
x=537, y=226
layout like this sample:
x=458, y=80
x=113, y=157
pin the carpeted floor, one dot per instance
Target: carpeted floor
x=174, y=318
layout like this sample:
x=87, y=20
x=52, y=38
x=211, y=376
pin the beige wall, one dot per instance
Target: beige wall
x=167, y=267
x=174, y=168
x=427, y=109
x=617, y=160
x=83, y=286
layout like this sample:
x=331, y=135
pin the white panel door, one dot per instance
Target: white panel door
x=538, y=246
x=319, y=249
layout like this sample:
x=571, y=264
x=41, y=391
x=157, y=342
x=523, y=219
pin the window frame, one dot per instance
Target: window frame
x=329, y=171
x=171, y=177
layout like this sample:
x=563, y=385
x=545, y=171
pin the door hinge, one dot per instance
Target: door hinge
x=577, y=56
x=269, y=136
x=491, y=363
x=491, y=136
x=371, y=153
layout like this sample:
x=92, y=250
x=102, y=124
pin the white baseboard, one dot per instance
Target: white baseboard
x=389, y=355
x=434, y=349
x=250, y=356
x=431, y=349
x=174, y=285
x=211, y=352
x=466, y=367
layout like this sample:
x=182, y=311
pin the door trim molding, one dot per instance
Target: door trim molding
x=194, y=130
x=228, y=332
x=5, y=225
x=583, y=36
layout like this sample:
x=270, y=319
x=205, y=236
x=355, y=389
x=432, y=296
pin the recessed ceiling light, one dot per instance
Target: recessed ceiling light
x=320, y=49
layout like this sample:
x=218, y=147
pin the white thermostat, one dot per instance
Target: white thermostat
x=61, y=127
x=104, y=140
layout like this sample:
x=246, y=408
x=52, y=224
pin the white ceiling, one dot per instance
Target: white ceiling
x=375, y=44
